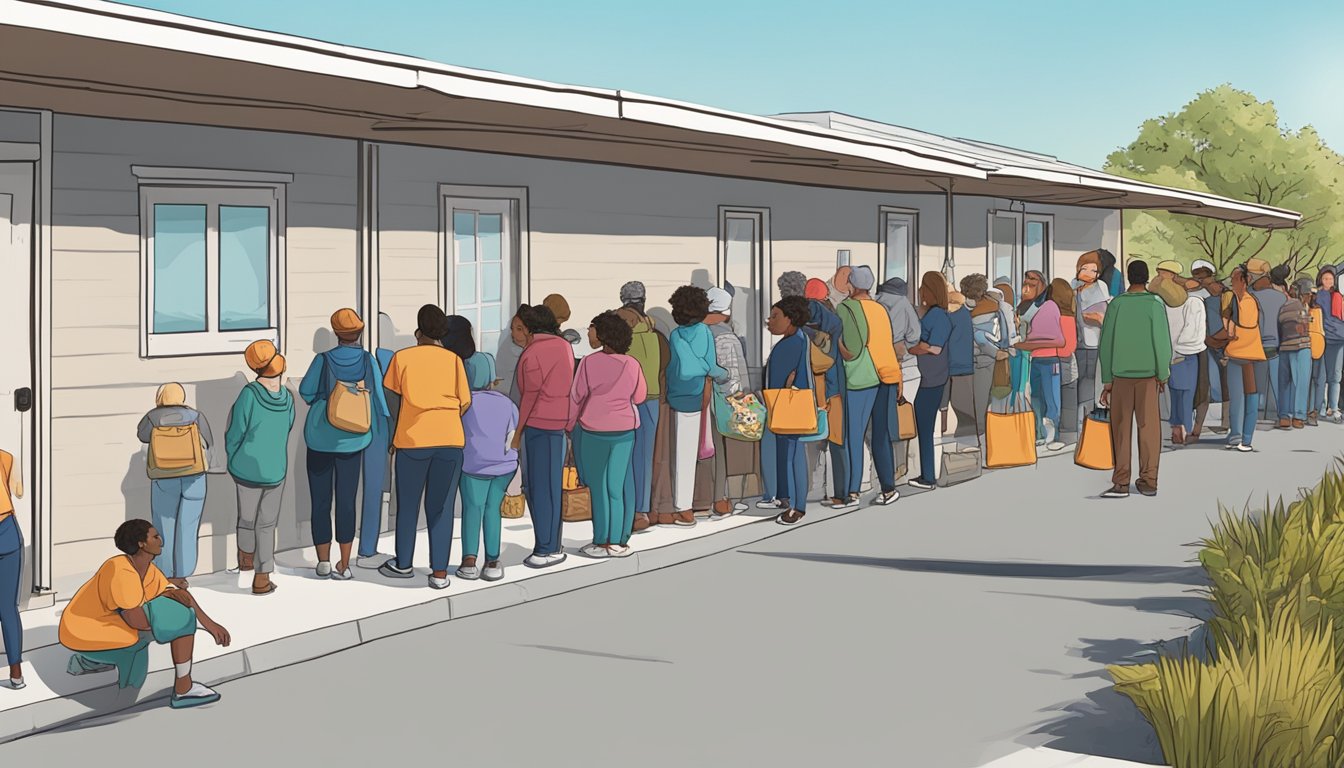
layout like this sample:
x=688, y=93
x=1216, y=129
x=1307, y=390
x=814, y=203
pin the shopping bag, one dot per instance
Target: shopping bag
x=1095, y=450
x=905, y=418
x=823, y=428
x=790, y=411
x=740, y=416
x=1010, y=439
x=835, y=411
x=576, y=502
x=511, y=508
x=959, y=465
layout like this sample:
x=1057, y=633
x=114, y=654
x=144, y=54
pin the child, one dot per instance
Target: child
x=488, y=467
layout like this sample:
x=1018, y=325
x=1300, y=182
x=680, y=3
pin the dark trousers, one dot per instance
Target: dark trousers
x=792, y=482
x=11, y=576
x=431, y=474
x=544, y=450
x=927, y=404
x=1134, y=404
x=338, y=472
x=884, y=420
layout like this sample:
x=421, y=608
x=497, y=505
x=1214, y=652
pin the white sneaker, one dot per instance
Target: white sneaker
x=544, y=561
x=438, y=583
x=345, y=575
x=196, y=696
x=621, y=550
x=492, y=573
x=1055, y=446
x=1051, y=431
x=372, y=562
x=15, y=684
x=323, y=570
x=595, y=551
x=885, y=498
x=768, y=504
x=469, y=572
x=1244, y=448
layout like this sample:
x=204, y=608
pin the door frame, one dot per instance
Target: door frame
x=763, y=270
x=39, y=444
x=519, y=235
x=1019, y=246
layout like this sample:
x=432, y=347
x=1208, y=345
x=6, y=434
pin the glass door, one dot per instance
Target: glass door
x=481, y=271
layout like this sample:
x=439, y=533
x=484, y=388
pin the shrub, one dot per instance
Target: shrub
x=1277, y=705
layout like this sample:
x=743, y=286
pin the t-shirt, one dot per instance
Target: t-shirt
x=6, y=503
x=961, y=350
x=432, y=383
x=860, y=373
x=1247, y=344
x=91, y=621
x=486, y=426
x=935, y=330
x=1271, y=301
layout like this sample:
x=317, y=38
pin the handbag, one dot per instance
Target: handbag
x=1010, y=439
x=512, y=507
x=959, y=465
x=823, y=428
x=576, y=501
x=739, y=417
x=1002, y=382
x=905, y=419
x=790, y=411
x=349, y=406
x=706, y=450
x=835, y=409
x=1095, y=449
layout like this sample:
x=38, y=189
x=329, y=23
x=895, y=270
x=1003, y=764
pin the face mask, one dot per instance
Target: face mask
x=1171, y=292
x=1087, y=279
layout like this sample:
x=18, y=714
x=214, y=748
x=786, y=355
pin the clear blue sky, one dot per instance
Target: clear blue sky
x=1072, y=78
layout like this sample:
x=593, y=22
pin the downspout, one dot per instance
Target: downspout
x=949, y=263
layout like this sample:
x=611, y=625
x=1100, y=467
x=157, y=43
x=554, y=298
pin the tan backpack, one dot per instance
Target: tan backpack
x=349, y=406
x=177, y=449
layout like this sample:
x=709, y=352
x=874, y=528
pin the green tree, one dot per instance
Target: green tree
x=1227, y=142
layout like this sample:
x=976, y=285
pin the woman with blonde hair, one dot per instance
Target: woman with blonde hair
x=178, y=437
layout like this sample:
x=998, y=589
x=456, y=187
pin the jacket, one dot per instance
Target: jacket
x=1135, y=339
x=257, y=437
x=545, y=374
x=693, y=361
x=346, y=363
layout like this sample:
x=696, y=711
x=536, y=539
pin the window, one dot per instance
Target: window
x=211, y=263
x=1038, y=245
x=744, y=263
x=482, y=259
x=899, y=239
x=1019, y=242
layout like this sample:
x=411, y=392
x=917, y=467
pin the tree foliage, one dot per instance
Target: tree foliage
x=1227, y=142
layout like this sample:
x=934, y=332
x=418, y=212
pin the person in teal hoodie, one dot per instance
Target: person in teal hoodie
x=335, y=455
x=257, y=443
x=693, y=360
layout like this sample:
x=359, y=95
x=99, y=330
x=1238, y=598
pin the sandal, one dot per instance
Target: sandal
x=269, y=588
x=790, y=517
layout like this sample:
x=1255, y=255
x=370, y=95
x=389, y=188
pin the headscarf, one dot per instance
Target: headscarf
x=816, y=290
x=170, y=394
x=480, y=371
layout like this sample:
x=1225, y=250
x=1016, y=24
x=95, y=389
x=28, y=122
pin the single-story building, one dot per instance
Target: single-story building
x=172, y=189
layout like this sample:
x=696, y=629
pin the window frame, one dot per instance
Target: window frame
x=1047, y=242
x=911, y=215
x=514, y=242
x=762, y=271
x=212, y=189
x=1021, y=219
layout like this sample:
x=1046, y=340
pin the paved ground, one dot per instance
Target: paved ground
x=951, y=629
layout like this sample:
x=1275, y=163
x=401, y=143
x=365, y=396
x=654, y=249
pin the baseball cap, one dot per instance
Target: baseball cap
x=1172, y=266
x=720, y=301
x=264, y=359
x=1199, y=264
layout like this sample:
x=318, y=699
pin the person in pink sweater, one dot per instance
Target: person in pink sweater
x=545, y=373
x=603, y=417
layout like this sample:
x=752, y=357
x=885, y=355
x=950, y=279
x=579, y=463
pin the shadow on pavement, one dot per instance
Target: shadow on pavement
x=1141, y=574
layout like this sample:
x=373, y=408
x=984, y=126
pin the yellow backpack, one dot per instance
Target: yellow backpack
x=177, y=449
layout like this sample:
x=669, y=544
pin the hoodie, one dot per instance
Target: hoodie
x=693, y=359
x=904, y=318
x=171, y=416
x=649, y=348
x=257, y=436
x=545, y=375
x=346, y=363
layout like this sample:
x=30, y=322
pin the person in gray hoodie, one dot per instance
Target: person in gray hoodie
x=176, y=467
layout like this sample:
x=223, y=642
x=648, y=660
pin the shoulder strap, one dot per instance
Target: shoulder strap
x=854, y=318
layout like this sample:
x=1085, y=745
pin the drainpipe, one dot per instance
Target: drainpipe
x=949, y=264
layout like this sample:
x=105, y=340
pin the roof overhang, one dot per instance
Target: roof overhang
x=94, y=58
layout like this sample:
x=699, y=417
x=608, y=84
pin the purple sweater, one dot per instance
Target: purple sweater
x=487, y=424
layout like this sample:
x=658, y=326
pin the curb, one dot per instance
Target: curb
x=318, y=642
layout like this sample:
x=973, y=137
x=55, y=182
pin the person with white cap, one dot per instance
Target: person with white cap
x=872, y=379
x=732, y=357
x=1186, y=327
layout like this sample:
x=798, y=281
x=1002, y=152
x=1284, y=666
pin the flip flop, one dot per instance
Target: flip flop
x=268, y=590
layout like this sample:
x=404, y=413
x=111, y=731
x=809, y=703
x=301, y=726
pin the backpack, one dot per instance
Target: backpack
x=177, y=449
x=350, y=404
x=820, y=347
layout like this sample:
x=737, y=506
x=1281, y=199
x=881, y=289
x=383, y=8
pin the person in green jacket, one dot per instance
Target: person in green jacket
x=1135, y=359
x=257, y=442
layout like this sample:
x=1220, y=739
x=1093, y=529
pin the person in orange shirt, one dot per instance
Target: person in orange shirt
x=1245, y=357
x=11, y=570
x=128, y=604
x=433, y=386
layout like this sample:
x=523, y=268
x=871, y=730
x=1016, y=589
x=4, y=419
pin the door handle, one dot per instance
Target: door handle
x=23, y=400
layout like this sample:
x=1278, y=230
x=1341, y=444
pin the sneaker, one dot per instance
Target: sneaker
x=81, y=666
x=1040, y=441
x=1244, y=448
x=14, y=684
x=544, y=561
x=1232, y=445
x=1338, y=418
x=345, y=575
x=1145, y=490
x=684, y=519
x=391, y=571
x=1298, y=424
x=1116, y=492
x=789, y=517
x=437, y=582
x=666, y=520
x=469, y=572
x=723, y=515
x=621, y=550
x=888, y=497
x=1312, y=420
x=595, y=551
x=372, y=562
x=1051, y=431
x=492, y=571
x=198, y=695
x=922, y=484
x=839, y=504
x=768, y=504
x=1055, y=446
x=1285, y=424
x=323, y=570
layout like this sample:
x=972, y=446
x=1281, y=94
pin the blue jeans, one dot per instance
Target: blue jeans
x=431, y=474
x=175, y=508
x=603, y=459
x=328, y=473
x=544, y=459
x=1184, y=377
x=1045, y=391
x=1267, y=383
x=11, y=576
x=1243, y=407
x=641, y=462
x=375, y=475
x=772, y=489
x=859, y=404
x=481, y=500
x=792, y=482
x=1327, y=372
x=927, y=404
x=1294, y=382
x=884, y=416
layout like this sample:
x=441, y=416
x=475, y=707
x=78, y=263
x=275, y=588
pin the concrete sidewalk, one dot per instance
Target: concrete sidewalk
x=1043, y=757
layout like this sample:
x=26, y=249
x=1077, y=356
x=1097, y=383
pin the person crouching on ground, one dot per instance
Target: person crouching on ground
x=257, y=442
x=488, y=466
x=128, y=604
x=603, y=415
x=789, y=367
